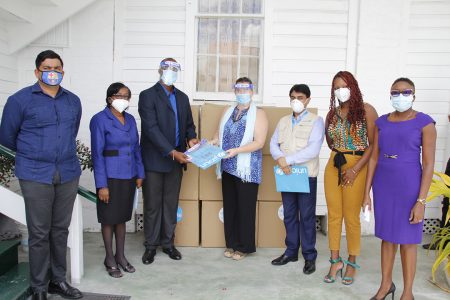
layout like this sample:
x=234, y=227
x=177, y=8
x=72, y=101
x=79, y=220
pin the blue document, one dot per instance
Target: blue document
x=205, y=155
x=296, y=182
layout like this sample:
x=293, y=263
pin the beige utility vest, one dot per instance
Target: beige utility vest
x=294, y=138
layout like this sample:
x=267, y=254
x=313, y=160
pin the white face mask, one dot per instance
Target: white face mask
x=297, y=106
x=343, y=94
x=402, y=103
x=120, y=104
x=169, y=77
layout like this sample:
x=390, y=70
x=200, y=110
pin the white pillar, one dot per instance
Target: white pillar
x=75, y=242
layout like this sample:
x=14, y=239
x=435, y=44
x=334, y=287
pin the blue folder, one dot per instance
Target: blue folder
x=205, y=155
x=296, y=182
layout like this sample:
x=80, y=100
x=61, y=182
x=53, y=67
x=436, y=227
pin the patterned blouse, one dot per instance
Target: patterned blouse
x=232, y=137
x=345, y=136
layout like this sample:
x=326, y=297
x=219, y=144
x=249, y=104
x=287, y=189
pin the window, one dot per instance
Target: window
x=229, y=44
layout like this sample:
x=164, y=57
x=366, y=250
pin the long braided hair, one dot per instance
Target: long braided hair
x=356, y=112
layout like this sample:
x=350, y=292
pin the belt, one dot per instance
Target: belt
x=339, y=160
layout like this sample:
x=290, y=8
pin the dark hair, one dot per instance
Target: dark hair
x=47, y=54
x=113, y=89
x=300, y=88
x=404, y=79
x=244, y=80
x=356, y=113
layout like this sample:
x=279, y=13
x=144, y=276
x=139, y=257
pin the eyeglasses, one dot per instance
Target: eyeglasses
x=119, y=96
x=406, y=93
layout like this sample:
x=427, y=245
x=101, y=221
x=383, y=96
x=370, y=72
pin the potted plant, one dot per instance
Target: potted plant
x=442, y=237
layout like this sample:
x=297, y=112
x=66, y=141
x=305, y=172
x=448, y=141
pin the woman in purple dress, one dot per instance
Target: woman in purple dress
x=400, y=183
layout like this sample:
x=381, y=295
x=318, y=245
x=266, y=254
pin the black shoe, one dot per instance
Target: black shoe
x=149, y=256
x=429, y=246
x=283, y=259
x=173, y=253
x=64, y=290
x=310, y=267
x=39, y=296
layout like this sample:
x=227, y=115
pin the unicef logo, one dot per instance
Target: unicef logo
x=179, y=214
x=221, y=215
x=281, y=213
x=279, y=171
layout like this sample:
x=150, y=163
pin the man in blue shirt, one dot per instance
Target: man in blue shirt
x=167, y=128
x=40, y=122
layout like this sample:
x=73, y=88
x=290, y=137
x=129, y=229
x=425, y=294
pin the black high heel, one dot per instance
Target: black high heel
x=391, y=291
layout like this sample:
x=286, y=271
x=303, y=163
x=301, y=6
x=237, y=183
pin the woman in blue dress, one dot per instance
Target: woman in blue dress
x=118, y=171
x=242, y=133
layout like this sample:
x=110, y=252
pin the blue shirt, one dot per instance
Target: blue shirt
x=232, y=138
x=173, y=103
x=115, y=148
x=311, y=150
x=42, y=130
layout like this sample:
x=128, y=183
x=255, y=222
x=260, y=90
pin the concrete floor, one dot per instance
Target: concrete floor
x=204, y=273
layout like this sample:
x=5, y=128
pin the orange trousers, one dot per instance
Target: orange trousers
x=344, y=203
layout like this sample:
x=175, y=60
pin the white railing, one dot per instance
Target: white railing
x=13, y=206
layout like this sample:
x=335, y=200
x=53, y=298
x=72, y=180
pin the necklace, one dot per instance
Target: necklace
x=407, y=117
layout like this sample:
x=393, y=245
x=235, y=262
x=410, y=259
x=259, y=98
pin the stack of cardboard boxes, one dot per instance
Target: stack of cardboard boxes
x=201, y=192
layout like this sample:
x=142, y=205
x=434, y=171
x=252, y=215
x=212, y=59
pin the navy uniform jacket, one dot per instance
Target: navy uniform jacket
x=158, y=127
x=115, y=148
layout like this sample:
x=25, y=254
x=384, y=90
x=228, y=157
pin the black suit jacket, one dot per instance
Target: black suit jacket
x=158, y=127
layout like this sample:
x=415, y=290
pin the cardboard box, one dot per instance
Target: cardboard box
x=271, y=231
x=212, y=224
x=210, y=187
x=274, y=114
x=187, y=232
x=210, y=116
x=190, y=183
x=267, y=189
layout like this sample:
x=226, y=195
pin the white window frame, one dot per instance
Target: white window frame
x=191, y=42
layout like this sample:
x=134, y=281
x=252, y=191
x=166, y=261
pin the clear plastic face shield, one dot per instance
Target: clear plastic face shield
x=170, y=65
x=243, y=88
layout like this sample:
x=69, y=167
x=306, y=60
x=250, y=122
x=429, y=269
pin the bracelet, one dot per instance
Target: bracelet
x=354, y=172
x=422, y=201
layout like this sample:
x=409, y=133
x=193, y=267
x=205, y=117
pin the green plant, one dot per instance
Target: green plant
x=84, y=156
x=7, y=163
x=442, y=237
x=6, y=170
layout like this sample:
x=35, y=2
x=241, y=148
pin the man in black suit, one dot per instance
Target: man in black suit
x=167, y=128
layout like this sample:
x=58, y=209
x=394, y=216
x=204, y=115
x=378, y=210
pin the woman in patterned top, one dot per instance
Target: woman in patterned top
x=349, y=133
x=242, y=133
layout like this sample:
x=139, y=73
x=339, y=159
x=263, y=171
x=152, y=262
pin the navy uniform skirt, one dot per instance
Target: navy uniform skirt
x=120, y=206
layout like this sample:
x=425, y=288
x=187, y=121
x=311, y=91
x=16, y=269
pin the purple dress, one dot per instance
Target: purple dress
x=397, y=178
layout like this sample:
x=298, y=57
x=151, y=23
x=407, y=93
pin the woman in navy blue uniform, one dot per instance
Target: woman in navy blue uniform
x=118, y=171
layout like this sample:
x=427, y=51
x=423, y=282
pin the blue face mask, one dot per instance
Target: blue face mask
x=402, y=103
x=243, y=98
x=51, y=77
x=169, y=77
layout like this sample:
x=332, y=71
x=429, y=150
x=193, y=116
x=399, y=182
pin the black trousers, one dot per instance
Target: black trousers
x=48, y=209
x=239, y=213
x=161, y=193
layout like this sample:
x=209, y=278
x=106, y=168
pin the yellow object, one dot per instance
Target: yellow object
x=344, y=203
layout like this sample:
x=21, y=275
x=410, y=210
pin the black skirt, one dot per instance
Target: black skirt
x=120, y=206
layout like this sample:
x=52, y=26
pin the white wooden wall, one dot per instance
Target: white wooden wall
x=8, y=68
